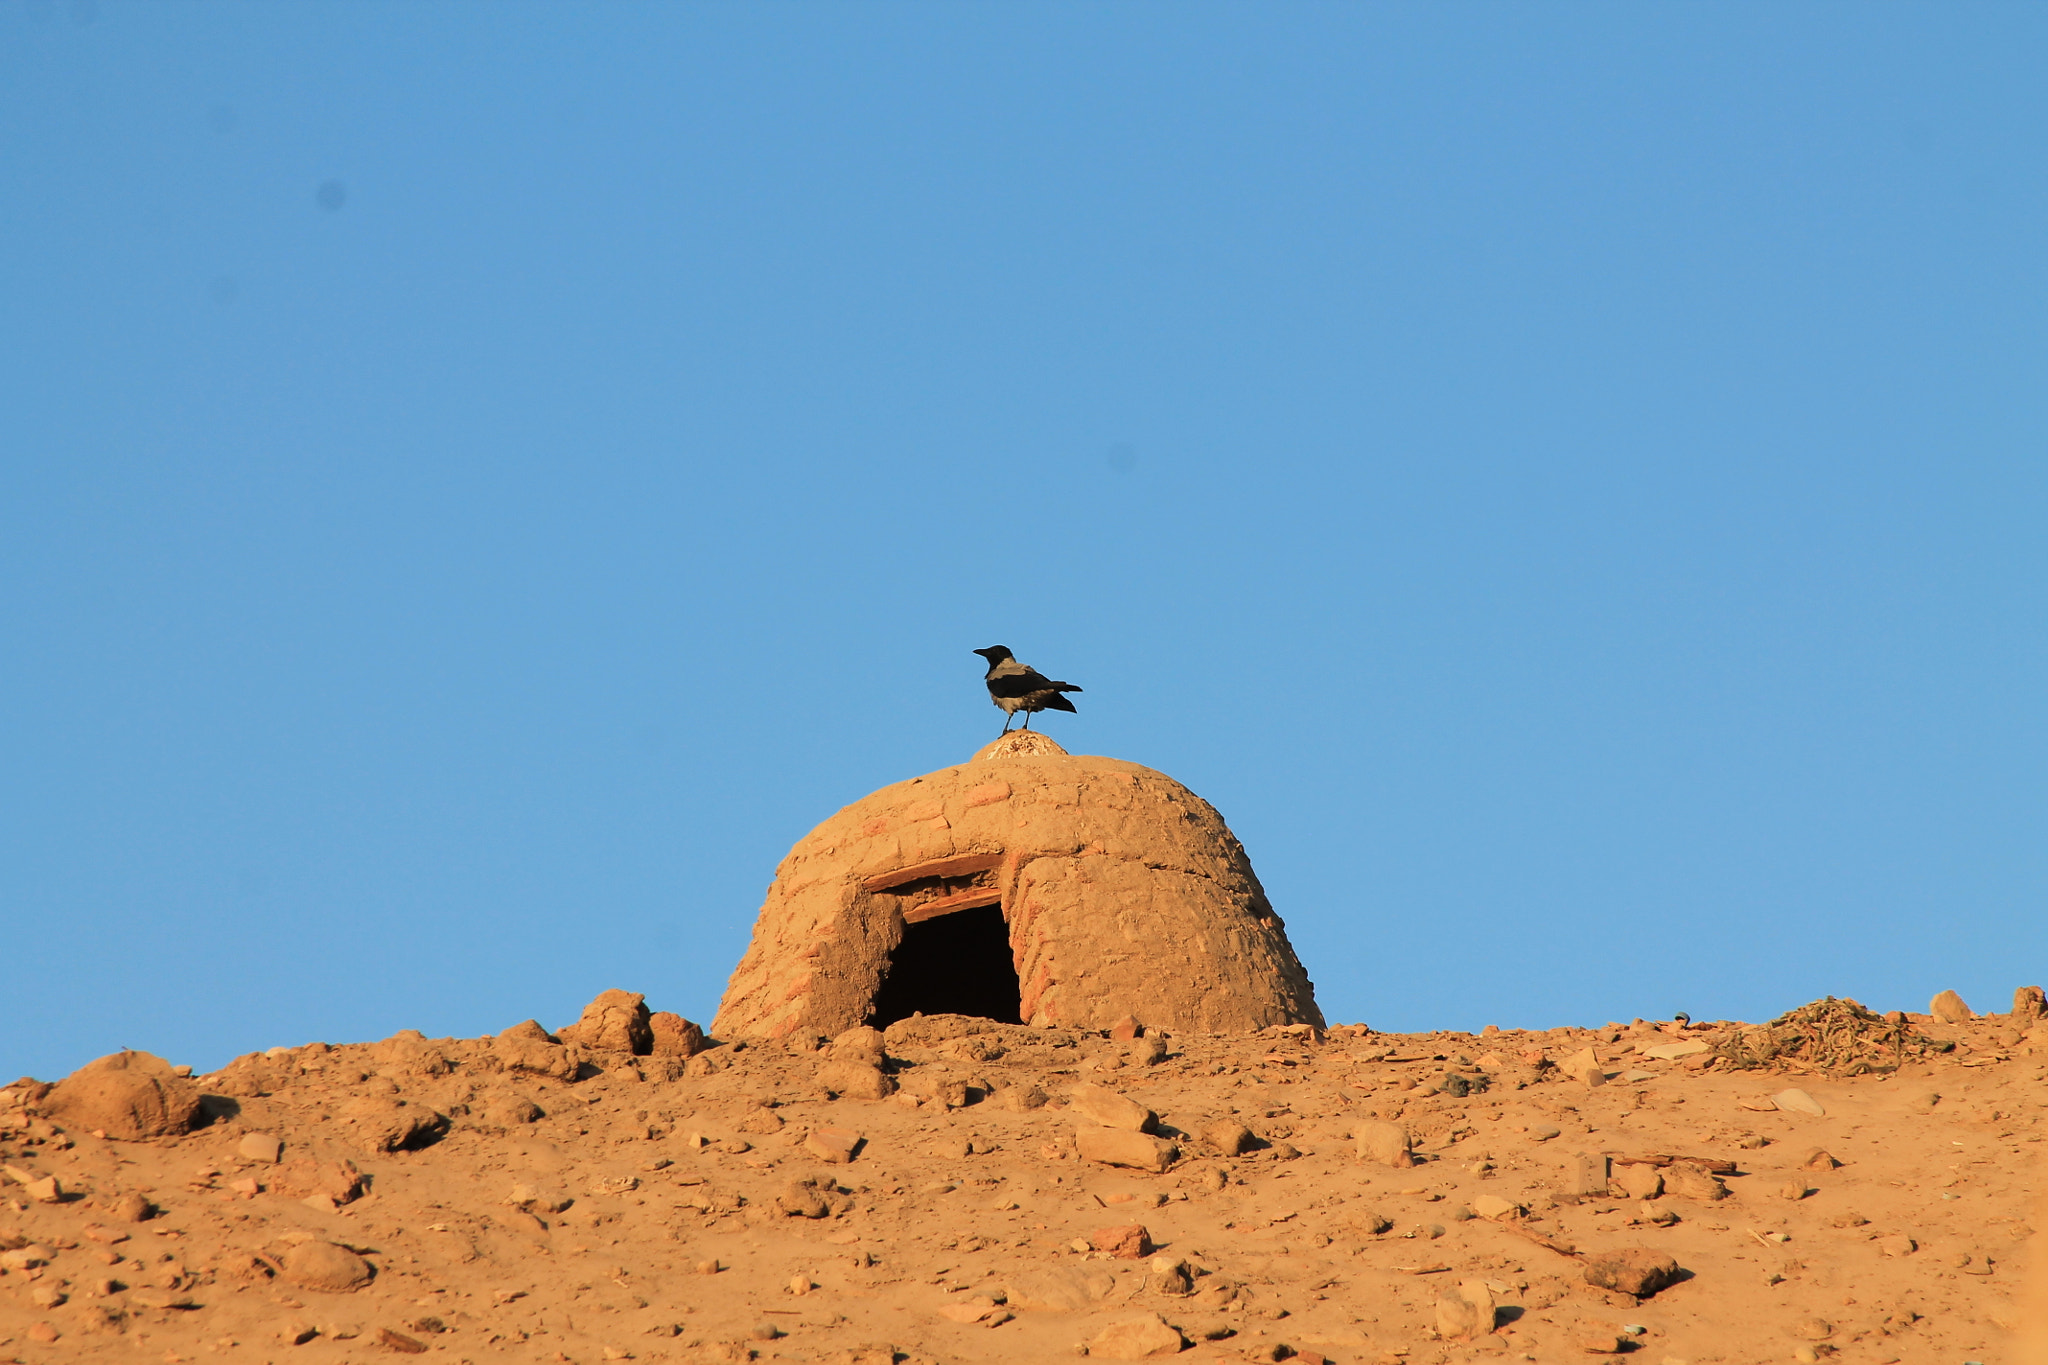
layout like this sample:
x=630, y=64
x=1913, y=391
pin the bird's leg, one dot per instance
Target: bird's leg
x=1027, y=720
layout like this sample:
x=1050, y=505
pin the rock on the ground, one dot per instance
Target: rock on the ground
x=1950, y=1009
x=856, y=1080
x=616, y=1021
x=1121, y=1147
x=1058, y=1291
x=1229, y=1137
x=1388, y=1144
x=1798, y=1102
x=126, y=1095
x=326, y=1268
x=1127, y=1242
x=1634, y=1270
x=1099, y=1104
x=1136, y=1339
x=672, y=1035
x=1465, y=1310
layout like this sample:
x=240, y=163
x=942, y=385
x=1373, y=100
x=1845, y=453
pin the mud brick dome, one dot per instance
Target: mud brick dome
x=1028, y=885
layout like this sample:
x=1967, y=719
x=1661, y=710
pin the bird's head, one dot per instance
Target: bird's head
x=995, y=654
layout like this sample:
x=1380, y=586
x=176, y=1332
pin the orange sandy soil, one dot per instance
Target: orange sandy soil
x=954, y=1219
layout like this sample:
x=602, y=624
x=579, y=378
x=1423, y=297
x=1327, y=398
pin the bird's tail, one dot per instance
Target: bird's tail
x=1056, y=702
x=1065, y=687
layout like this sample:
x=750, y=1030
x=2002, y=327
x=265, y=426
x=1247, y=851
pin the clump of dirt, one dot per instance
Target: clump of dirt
x=1834, y=1037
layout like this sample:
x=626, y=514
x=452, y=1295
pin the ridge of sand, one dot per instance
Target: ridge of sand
x=659, y=1208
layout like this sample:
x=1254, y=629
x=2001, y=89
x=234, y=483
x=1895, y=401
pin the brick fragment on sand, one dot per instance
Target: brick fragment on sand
x=1495, y=1208
x=1465, y=1310
x=836, y=1145
x=1584, y=1067
x=1386, y=1144
x=1126, y=1029
x=1138, y=1338
x=1128, y=1242
x=400, y=1342
x=325, y=1267
x=44, y=1191
x=1121, y=1147
x=1798, y=1102
x=1635, y=1270
x=1949, y=1008
x=1099, y=1104
x=261, y=1147
x=1639, y=1182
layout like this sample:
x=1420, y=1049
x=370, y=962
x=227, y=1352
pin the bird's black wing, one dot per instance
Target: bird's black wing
x=1021, y=684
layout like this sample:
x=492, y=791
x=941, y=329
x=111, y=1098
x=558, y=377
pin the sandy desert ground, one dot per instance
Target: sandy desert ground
x=946, y=1193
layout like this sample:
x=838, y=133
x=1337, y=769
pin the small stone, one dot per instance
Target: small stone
x=1126, y=1029
x=1121, y=1147
x=1228, y=1137
x=801, y=1285
x=1688, y=1181
x=1492, y=1206
x=765, y=1331
x=47, y=1296
x=708, y=1267
x=1813, y=1329
x=105, y=1236
x=1544, y=1132
x=835, y=1145
x=1383, y=1143
x=1598, y=1341
x=1806, y=1355
x=261, y=1147
x=1136, y=1339
x=1465, y=1310
x=1798, y=1102
x=1639, y=1182
x=1897, y=1244
x=1149, y=1050
x=1819, y=1160
x=43, y=1332
x=44, y=1191
x=2029, y=1003
x=1636, y=1270
x=1129, y=1242
x=856, y=1080
x=1103, y=1106
x=1949, y=1008
x=325, y=1267
x=1795, y=1189
x=1020, y=1098
x=1584, y=1066
x=802, y=1200
x=131, y=1208
x=400, y=1342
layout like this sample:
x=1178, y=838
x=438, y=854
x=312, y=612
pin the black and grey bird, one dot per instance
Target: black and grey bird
x=1020, y=687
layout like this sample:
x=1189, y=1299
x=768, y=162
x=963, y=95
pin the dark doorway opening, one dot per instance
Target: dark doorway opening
x=951, y=964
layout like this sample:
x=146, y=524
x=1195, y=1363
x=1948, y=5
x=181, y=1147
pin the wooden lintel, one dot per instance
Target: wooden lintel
x=962, y=865
x=946, y=905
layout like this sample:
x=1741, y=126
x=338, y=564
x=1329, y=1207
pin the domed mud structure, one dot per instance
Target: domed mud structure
x=1027, y=885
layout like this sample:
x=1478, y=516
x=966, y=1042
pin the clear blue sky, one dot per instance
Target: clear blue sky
x=478, y=482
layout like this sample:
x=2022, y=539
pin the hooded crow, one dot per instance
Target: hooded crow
x=1019, y=687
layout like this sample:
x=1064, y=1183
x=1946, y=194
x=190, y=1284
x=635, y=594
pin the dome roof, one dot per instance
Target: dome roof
x=1030, y=885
